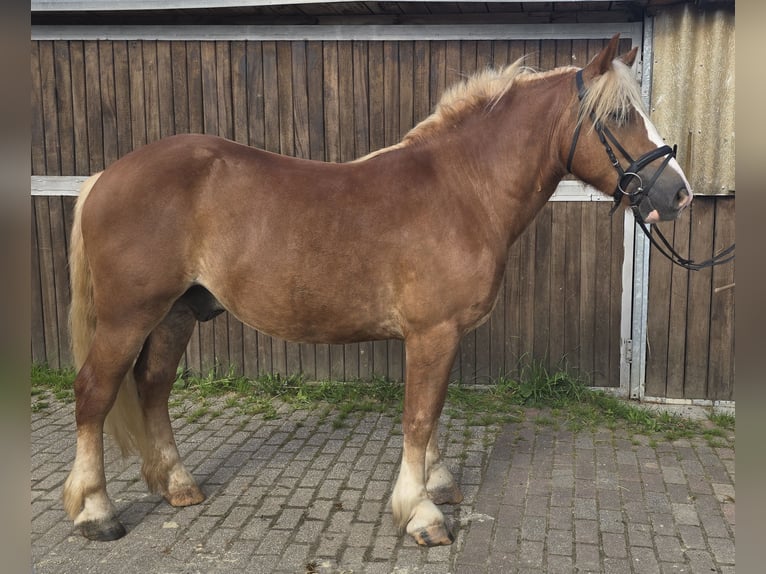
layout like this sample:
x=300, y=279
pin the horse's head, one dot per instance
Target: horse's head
x=614, y=145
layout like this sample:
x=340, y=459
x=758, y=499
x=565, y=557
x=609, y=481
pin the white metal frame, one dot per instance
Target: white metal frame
x=69, y=185
x=635, y=346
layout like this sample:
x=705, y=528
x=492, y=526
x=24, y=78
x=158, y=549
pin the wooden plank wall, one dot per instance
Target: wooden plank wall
x=690, y=341
x=93, y=101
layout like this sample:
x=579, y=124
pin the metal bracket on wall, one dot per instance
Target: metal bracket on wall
x=627, y=350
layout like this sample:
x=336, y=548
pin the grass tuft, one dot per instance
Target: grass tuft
x=47, y=383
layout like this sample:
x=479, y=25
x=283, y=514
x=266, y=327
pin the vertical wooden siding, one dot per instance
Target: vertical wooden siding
x=93, y=101
x=690, y=346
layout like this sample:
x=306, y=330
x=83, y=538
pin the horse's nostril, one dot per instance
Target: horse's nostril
x=683, y=198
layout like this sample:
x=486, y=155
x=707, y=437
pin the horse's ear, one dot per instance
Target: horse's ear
x=603, y=60
x=630, y=57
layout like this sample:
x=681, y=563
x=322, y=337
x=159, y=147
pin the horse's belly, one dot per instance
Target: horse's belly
x=314, y=316
x=337, y=330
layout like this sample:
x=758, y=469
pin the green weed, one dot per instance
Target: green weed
x=57, y=382
x=543, y=420
x=38, y=406
x=197, y=413
x=723, y=420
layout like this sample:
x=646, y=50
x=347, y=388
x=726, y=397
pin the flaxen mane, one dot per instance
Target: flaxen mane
x=476, y=92
x=480, y=91
x=612, y=96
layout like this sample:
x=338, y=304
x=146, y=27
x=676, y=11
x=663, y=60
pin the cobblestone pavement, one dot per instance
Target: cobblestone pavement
x=297, y=495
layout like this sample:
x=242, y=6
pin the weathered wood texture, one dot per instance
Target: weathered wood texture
x=690, y=342
x=94, y=101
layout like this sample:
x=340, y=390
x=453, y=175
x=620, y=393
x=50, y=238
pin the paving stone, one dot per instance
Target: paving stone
x=723, y=550
x=617, y=566
x=614, y=545
x=561, y=518
x=644, y=561
x=585, y=508
x=611, y=521
x=560, y=565
x=533, y=528
x=531, y=554
x=715, y=526
x=587, y=557
x=685, y=514
x=701, y=561
x=669, y=549
x=559, y=542
x=586, y=531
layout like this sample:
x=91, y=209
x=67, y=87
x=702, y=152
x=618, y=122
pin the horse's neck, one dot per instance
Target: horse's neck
x=508, y=159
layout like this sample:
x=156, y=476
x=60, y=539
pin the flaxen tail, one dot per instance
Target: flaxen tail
x=82, y=312
x=125, y=421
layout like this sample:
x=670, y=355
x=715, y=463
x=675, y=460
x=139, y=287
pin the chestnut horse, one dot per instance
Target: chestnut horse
x=409, y=242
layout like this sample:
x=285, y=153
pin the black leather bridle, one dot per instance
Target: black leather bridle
x=641, y=193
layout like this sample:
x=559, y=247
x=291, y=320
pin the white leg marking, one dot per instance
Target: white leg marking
x=84, y=493
x=180, y=479
x=424, y=515
x=414, y=511
x=440, y=478
x=96, y=507
x=440, y=484
x=408, y=492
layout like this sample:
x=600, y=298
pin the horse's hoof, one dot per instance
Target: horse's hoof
x=446, y=495
x=103, y=530
x=187, y=496
x=435, y=535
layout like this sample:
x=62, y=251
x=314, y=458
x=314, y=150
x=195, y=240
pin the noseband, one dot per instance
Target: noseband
x=641, y=193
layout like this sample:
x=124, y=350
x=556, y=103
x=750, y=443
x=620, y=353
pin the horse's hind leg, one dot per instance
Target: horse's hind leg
x=154, y=374
x=111, y=355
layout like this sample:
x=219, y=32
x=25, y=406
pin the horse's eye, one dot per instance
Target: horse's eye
x=620, y=117
x=617, y=117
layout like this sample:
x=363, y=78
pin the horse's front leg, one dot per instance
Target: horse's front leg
x=429, y=359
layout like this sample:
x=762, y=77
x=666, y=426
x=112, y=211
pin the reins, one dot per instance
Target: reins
x=673, y=255
x=642, y=191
